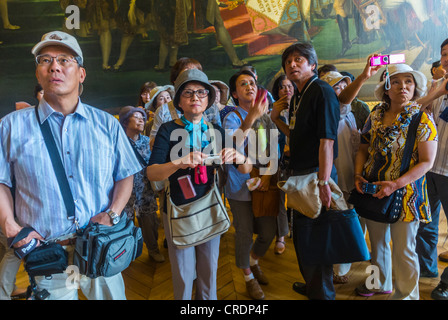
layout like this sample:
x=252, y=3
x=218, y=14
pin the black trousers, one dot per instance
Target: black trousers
x=318, y=278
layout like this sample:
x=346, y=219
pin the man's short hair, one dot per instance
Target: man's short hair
x=305, y=49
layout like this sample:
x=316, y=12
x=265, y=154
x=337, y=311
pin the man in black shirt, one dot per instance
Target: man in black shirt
x=314, y=118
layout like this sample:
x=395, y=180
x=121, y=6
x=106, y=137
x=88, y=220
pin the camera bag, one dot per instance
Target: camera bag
x=99, y=250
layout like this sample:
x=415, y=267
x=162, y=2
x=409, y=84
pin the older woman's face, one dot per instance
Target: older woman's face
x=193, y=99
x=163, y=98
x=246, y=88
x=136, y=122
x=402, y=88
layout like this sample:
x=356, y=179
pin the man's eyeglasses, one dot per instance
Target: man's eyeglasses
x=201, y=93
x=62, y=59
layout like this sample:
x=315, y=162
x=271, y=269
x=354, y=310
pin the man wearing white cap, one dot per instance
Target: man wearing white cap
x=96, y=156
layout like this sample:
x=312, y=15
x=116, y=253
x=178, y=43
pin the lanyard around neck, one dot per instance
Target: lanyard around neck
x=296, y=107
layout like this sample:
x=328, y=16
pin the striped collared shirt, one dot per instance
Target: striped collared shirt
x=441, y=162
x=95, y=152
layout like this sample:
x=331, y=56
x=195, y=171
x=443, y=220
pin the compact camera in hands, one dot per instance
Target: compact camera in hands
x=387, y=59
x=369, y=188
x=213, y=159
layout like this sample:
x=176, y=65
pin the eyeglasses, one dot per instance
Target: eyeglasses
x=201, y=93
x=62, y=59
x=138, y=117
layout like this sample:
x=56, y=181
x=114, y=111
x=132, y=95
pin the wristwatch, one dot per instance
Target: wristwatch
x=322, y=183
x=113, y=216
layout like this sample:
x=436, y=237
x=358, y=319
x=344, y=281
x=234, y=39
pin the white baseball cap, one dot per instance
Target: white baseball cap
x=58, y=38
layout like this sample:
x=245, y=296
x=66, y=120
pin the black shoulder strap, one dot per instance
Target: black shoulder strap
x=410, y=141
x=138, y=155
x=57, y=166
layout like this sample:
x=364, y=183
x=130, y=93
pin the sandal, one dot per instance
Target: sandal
x=279, y=249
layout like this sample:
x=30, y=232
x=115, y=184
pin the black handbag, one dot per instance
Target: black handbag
x=387, y=209
x=333, y=237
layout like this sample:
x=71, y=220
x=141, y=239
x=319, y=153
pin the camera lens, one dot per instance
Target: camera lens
x=385, y=59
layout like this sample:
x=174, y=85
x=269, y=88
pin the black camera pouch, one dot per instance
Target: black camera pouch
x=46, y=259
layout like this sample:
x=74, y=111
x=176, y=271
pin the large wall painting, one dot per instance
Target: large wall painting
x=129, y=42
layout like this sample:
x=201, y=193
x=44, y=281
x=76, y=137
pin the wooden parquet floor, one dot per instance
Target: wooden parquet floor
x=148, y=280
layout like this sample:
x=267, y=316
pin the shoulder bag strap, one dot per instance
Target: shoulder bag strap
x=58, y=167
x=138, y=155
x=213, y=142
x=410, y=140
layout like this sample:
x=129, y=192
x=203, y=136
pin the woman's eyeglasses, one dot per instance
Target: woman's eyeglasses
x=201, y=93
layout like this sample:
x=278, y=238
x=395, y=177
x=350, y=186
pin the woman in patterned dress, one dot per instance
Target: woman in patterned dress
x=142, y=202
x=379, y=160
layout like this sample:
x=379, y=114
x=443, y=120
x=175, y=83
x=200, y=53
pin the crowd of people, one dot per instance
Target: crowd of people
x=310, y=121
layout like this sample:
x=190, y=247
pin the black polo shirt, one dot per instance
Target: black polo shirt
x=317, y=118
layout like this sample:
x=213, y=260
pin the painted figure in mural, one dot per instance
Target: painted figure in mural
x=300, y=29
x=342, y=9
x=199, y=14
x=209, y=10
x=164, y=15
x=104, y=15
x=397, y=16
x=84, y=28
x=5, y=17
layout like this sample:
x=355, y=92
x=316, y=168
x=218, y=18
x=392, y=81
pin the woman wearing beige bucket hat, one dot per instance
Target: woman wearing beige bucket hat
x=159, y=96
x=378, y=161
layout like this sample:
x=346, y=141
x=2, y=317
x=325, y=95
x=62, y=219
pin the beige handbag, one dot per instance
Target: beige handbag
x=199, y=221
x=302, y=195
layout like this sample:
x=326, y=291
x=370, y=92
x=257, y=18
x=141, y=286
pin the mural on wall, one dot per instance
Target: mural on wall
x=129, y=42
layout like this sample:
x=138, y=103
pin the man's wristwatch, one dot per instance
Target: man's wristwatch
x=322, y=183
x=113, y=216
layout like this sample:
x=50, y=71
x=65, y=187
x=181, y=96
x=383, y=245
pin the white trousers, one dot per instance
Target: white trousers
x=9, y=265
x=64, y=286
x=398, y=268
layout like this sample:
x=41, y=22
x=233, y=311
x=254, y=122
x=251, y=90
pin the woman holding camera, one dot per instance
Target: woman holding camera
x=178, y=151
x=249, y=111
x=378, y=161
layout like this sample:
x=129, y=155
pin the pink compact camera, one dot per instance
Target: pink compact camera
x=387, y=59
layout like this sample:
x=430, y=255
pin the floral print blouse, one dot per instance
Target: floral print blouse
x=385, y=153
